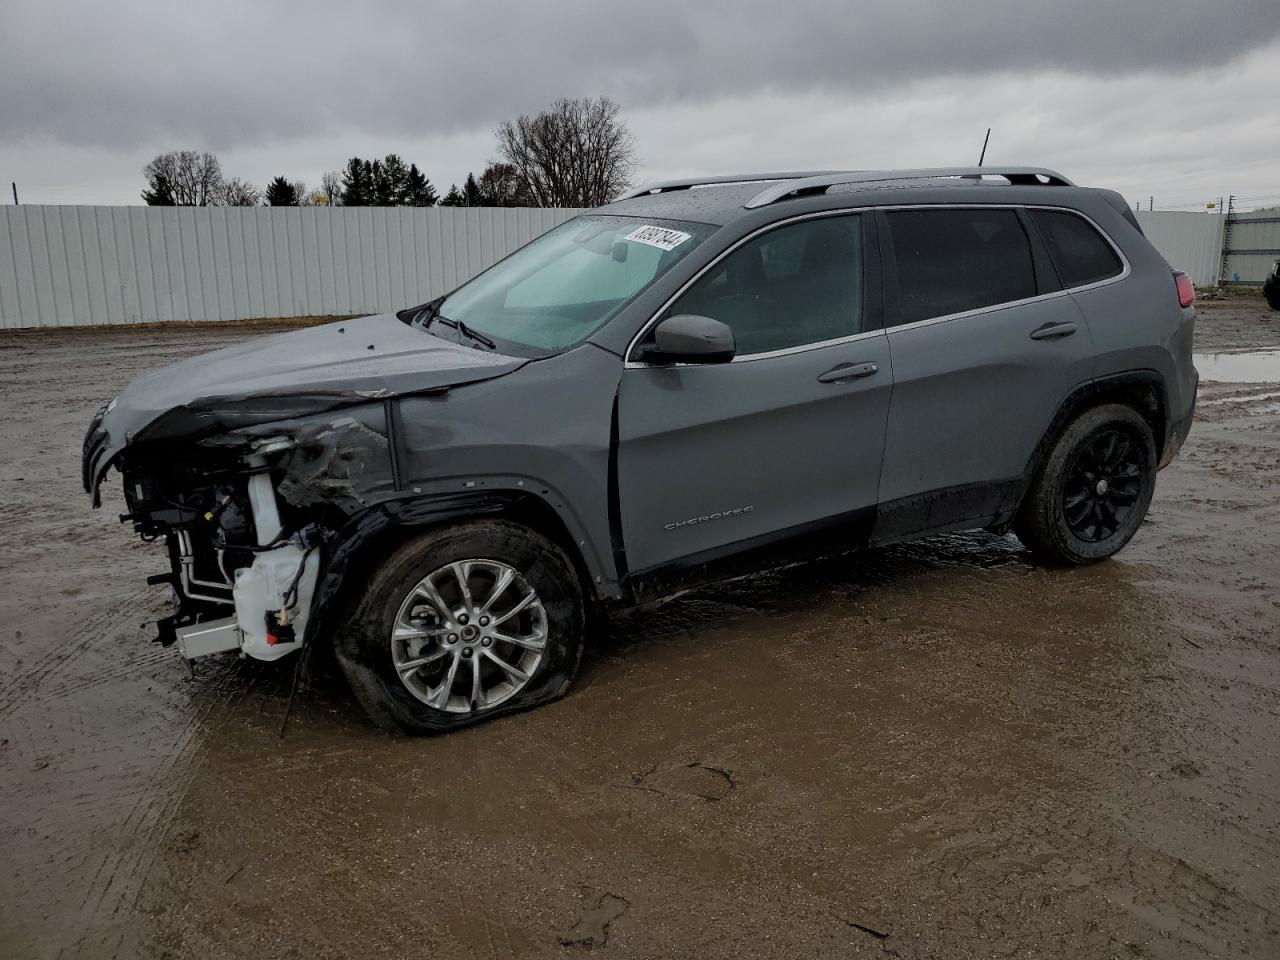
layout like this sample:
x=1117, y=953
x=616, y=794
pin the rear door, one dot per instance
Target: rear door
x=985, y=346
x=786, y=439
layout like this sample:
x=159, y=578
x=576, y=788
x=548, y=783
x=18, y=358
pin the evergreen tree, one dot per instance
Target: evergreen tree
x=357, y=186
x=396, y=178
x=418, y=189
x=380, y=187
x=388, y=182
x=453, y=198
x=160, y=193
x=471, y=192
x=281, y=193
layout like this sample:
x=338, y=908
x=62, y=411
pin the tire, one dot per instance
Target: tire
x=433, y=627
x=1092, y=492
x=1273, y=297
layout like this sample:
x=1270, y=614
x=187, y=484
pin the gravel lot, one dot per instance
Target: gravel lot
x=935, y=750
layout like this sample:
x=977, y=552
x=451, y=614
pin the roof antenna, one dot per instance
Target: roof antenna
x=982, y=156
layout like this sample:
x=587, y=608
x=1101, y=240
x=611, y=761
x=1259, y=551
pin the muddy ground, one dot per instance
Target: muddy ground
x=935, y=750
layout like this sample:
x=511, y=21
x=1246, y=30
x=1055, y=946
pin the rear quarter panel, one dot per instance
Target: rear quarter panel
x=1137, y=323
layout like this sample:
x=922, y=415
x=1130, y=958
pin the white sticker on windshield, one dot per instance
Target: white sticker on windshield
x=659, y=237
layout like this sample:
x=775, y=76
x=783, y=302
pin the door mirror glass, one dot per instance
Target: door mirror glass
x=689, y=338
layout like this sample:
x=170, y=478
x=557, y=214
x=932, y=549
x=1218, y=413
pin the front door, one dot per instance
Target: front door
x=715, y=459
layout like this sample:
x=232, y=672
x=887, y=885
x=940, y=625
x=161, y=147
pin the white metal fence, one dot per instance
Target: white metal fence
x=1190, y=241
x=76, y=266
x=1251, y=246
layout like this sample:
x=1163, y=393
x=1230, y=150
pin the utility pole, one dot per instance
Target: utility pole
x=1151, y=203
x=1226, y=241
x=14, y=184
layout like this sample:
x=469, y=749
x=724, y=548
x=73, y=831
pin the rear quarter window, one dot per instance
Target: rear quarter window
x=1080, y=254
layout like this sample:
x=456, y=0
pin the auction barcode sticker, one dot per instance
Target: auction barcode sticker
x=659, y=237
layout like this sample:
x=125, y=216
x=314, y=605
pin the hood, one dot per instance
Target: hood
x=285, y=375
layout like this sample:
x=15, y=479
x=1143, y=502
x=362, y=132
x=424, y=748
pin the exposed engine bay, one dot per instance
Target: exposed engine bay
x=247, y=517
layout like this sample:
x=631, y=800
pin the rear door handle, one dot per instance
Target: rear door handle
x=849, y=371
x=1053, y=331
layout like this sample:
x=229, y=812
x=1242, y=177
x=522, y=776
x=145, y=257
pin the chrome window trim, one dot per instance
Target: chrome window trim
x=979, y=311
x=630, y=364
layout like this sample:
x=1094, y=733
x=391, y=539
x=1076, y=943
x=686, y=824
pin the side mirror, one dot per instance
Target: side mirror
x=689, y=338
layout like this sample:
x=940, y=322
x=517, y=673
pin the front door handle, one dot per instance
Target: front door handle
x=1053, y=331
x=849, y=371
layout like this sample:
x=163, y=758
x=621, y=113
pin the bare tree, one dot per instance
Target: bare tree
x=578, y=153
x=331, y=187
x=192, y=179
x=237, y=193
x=502, y=186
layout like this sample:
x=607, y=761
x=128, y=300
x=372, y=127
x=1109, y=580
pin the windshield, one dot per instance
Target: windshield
x=557, y=290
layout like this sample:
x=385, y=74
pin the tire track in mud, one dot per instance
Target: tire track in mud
x=46, y=680
x=122, y=869
x=117, y=884
x=96, y=627
x=125, y=668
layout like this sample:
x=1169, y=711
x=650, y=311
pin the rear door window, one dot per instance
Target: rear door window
x=956, y=260
x=1079, y=252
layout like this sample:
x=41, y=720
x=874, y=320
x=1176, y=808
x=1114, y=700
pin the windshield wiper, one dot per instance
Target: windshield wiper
x=422, y=314
x=475, y=335
x=463, y=329
x=428, y=313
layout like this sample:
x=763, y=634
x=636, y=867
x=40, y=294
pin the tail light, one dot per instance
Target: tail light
x=1186, y=289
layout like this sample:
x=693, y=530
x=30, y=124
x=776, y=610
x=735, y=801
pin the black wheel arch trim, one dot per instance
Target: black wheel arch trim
x=1087, y=394
x=347, y=547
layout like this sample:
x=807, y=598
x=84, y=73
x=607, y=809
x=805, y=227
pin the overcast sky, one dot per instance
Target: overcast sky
x=1174, y=99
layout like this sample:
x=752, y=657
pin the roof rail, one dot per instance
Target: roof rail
x=684, y=183
x=1023, y=176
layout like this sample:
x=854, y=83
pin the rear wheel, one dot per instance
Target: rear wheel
x=1093, y=490
x=462, y=624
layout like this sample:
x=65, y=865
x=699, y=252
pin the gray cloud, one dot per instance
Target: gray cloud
x=242, y=74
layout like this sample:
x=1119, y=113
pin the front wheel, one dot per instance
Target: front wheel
x=1093, y=490
x=463, y=624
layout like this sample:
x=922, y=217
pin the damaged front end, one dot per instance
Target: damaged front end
x=249, y=461
x=248, y=517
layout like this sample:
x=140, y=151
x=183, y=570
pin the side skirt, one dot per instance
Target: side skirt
x=809, y=541
x=967, y=506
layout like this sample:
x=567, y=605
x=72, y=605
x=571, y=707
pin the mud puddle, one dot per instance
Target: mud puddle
x=1241, y=398
x=1246, y=366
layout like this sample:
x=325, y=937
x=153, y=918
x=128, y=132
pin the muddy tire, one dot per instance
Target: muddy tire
x=1092, y=491
x=463, y=624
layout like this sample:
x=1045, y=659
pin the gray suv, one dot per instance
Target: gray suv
x=702, y=379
